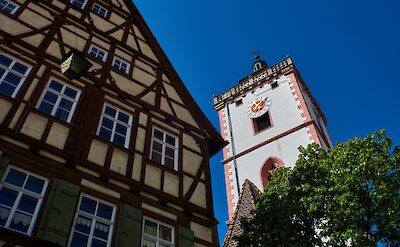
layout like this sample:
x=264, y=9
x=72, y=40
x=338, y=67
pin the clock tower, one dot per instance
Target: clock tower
x=265, y=117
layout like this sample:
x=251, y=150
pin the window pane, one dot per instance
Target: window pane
x=16, y=177
x=121, y=129
x=165, y=233
x=88, y=205
x=123, y=117
x=20, y=68
x=169, y=163
x=110, y=111
x=13, y=79
x=62, y=114
x=5, y=60
x=107, y=123
x=157, y=147
x=21, y=222
x=66, y=104
x=2, y=71
x=148, y=243
x=27, y=204
x=70, y=92
x=7, y=89
x=4, y=214
x=98, y=243
x=158, y=134
x=56, y=86
x=50, y=97
x=170, y=140
x=170, y=152
x=46, y=107
x=83, y=224
x=34, y=184
x=104, y=133
x=119, y=139
x=79, y=240
x=104, y=211
x=156, y=157
x=101, y=230
x=150, y=228
x=7, y=196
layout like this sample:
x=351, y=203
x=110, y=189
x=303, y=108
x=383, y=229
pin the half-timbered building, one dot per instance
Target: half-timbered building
x=101, y=143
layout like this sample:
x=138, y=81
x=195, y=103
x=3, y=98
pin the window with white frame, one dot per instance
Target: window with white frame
x=115, y=125
x=93, y=223
x=79, y=3
x=100, y=10
x=21, y=195
x=59, y=100
x=164, y=148
x=98, y=53
x=157, y=234
x=120, y=65
x=9, y=6
x=12, y=74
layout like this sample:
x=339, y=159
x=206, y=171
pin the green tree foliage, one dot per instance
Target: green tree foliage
x=347, y=194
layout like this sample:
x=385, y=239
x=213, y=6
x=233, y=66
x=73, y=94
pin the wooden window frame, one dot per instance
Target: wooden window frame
x=158, y=239
x=100, y=7
x=164, y=144
x=104, y=59
x=115, y=122
x=21, y=191
x=128, y=66
x=111, y=223
x=9, y=69
x=60, y=96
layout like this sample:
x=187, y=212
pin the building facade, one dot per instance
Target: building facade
x=266, y=117
x=101, y=144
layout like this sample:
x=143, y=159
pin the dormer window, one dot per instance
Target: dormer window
x=98, y=53
x=9, y=6
x=256, y=67
x=100, y=10
x=78, y=3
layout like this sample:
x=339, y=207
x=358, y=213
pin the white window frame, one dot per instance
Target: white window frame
x=128, y=66
x=60, y=96
x=13, y=3
x=100, y=7
x=83, y=5
x=22, y=191
x=100, y=49
x=158, y=239
x=9, y=69
x=115, y=121
x=164, y=144
x=94, y=219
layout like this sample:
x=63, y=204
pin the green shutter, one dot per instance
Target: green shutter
x=129, y=227
x=55, y=223
x=186, y=237
x=3, y=165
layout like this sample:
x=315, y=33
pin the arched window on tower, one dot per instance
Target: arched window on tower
x=269, y=167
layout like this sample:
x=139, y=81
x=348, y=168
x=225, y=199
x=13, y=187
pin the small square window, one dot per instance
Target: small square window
x=9, y=6
x=79, y=3
x=274, y=85
x=21, y=195
x=93, y=224
x=12, y=75
x=261, y=123
x=59, y=100
x=120, y=65
x=115, y=126
x=238, y=102
x=98, y=53
x=100, y=10
x=156, y=233
x=164, y=149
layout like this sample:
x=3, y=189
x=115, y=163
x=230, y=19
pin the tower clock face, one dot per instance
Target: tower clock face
x=258, y=107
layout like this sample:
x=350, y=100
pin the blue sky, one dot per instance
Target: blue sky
x=348, y=53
